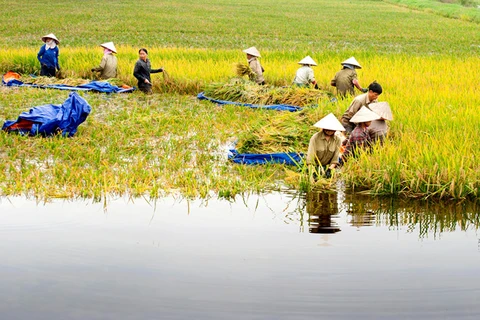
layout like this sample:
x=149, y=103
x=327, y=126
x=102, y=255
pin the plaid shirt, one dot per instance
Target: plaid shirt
x=358, y=139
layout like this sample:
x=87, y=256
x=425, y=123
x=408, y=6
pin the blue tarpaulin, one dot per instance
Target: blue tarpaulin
x=48, y=120
x=278, y=107
x=98, y=86
x=290, y=158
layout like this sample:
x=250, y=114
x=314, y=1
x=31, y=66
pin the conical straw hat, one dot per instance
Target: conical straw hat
x=382, y=109
x=110, y=46
x=252, y=51
x=353, y=62
x=329, y=122
x=364, y=115
x=308, y=61
x=51, y=36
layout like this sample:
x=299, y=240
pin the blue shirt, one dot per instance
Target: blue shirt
x=48, y=57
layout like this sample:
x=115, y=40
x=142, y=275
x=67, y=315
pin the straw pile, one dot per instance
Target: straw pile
x=240, y=90
x=284, y=132
x=52, y=80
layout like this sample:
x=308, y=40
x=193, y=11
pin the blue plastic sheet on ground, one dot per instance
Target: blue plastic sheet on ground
x=290, y=158
x=97, y=86
x=49, y=120
x=278, y=107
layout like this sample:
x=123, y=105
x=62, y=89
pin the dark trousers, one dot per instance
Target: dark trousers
x=47, y=72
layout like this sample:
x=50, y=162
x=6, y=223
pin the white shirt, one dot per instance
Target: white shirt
x=304, y=75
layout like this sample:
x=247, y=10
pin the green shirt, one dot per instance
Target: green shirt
x=107, y=67
x=344, y=81
x=323, y=151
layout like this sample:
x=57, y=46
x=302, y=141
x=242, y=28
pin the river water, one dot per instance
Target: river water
x=273, y=256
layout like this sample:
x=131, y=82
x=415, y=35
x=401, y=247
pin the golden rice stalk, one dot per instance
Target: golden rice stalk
x=243, y=69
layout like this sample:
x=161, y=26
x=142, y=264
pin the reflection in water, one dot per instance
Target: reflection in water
x=426, y=218
x=320, y=208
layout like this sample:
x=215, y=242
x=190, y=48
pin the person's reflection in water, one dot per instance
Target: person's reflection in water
x=320, y=208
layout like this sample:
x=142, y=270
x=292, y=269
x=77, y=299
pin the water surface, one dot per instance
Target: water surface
x=274, y=256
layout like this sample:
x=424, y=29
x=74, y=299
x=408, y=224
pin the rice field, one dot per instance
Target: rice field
x=170, y=142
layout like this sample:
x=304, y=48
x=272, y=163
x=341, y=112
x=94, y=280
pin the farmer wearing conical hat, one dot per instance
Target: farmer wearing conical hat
x=379, y=128
x=360, y=138
x=346, y=78
x=48, y=56
x=304, y=76
x=324, y=146
x=108, y=65
x=374, y=90
x=252, y=55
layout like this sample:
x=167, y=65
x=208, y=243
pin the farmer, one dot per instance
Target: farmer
x=374, y=90
x=324, y=147
x=304, y=76
x=360, y=138
x=108, y=65
x=379, y=128
x=48, y=56
x=252, y=55
x=346, y=78
x=143, y=70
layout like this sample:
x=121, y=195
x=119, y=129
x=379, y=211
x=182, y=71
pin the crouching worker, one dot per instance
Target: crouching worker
x=379, y=128
x=360, y=138
x=108, y=65
x=304, y=76
x=324, y=147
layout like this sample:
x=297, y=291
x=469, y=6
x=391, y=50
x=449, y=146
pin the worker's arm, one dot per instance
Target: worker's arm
x=358, y=86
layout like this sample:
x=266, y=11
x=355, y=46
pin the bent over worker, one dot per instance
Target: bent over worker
x=324, y=147
x=304, y=76
x=108, y=65
x=374, y=90
x=346, y=78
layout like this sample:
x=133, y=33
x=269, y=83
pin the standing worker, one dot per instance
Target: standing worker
x=304, y=76
x=108, y=65
x=374, y=90
x=324, y=147
x=346, y=78
x=142, y=71
x=252, y=55
x=48, y=56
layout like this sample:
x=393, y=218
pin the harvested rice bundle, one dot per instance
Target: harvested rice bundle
x=241, y=90
x=284, y=132
x=52, y=80
x=243, y=69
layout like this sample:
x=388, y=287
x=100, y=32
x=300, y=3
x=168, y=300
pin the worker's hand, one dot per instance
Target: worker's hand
x=161, y=69
x=364, y=90
x=146, y=81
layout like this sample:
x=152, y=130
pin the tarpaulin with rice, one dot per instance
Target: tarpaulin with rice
x=278, y=107
x=12, y=79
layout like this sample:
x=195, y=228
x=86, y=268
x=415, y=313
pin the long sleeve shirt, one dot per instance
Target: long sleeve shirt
x=323, y=151
x=357, y=103
x=143, y=70
x=257, y=68
x=49, y=57
x=304, y=76
x=107, y=67
x=358, y=139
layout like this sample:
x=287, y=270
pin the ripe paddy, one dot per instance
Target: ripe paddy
x=170, y=142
